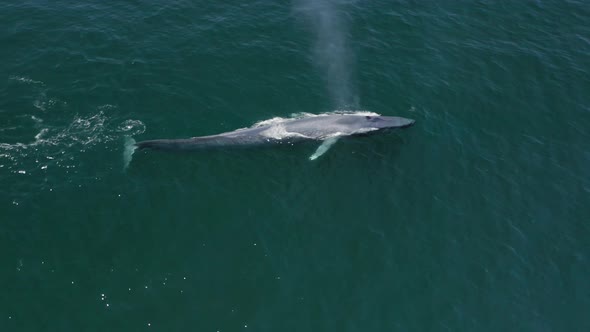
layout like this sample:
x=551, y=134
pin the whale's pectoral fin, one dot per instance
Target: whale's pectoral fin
x=323, y=148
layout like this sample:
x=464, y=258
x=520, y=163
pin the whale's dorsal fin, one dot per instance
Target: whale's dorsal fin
x=324, y=147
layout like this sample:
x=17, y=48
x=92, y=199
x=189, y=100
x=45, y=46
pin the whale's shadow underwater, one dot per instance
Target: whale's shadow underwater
x=325, y=128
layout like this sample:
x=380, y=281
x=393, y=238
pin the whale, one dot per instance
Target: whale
x=326, y=129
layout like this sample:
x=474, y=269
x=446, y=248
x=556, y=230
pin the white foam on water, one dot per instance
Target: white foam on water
x=58, y=143
x=44, y=104
x=39, y=136
x=131, y=127
x=26, y=80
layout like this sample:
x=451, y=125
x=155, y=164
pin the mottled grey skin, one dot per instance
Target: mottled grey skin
x=310, y=128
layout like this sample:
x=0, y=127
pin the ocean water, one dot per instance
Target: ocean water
x=477, y=218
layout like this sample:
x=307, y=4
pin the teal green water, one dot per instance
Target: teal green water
x=475, y=219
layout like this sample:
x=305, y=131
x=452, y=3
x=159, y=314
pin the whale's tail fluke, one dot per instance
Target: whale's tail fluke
x=128, y=151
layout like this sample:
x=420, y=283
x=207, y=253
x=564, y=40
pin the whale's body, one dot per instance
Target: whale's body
x=325, y=128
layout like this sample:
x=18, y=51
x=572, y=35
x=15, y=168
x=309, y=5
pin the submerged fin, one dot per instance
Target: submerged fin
x=323, y=148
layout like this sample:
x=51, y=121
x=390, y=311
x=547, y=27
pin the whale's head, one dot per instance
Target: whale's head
x=386, y=122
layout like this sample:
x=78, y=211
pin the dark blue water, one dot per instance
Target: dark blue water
x=474, y=219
